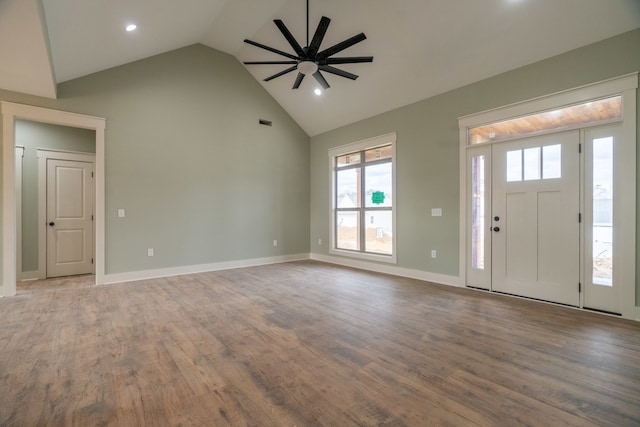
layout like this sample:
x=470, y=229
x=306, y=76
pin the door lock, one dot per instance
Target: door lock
x=52, y=223
x=496, y=229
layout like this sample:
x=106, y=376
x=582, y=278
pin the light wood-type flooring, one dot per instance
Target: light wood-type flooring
x=308, y=344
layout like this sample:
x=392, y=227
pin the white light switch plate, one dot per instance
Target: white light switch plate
x=120, y=213
x=436, y=212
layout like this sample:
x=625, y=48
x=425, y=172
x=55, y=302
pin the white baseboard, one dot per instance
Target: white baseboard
x=28, y=275
x=390, y=269
x=201, y=268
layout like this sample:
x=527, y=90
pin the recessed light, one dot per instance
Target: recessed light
x=131, y=27
x=317, y=92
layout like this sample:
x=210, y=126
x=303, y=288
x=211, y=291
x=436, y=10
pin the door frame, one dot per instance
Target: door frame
x=10, y=113
x=45, y=154
x=19, y=153
x=626, y=246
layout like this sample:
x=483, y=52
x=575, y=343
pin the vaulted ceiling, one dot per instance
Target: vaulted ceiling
x=421, y=47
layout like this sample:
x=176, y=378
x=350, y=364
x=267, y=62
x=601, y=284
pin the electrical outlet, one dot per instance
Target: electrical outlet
x=433, y=253
x=120, y=213
x=150, y=252
x=319, y=242
x=275, y=243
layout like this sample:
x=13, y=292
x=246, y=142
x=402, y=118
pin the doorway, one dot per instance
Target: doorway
x=42, y=143
x=10, y=113
x=548, y=198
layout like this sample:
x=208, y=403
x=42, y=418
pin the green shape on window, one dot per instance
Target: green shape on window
x=377, y=197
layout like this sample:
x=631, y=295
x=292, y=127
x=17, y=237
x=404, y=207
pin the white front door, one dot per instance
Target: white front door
x=69, y=218
x=535, y=229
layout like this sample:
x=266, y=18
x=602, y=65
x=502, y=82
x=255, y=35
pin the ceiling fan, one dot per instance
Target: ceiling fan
x=309, y=59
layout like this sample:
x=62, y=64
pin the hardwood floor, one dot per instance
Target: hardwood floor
x=309, y=344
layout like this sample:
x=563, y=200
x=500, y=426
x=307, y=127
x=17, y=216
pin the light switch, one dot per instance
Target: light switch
x=120, y=213
x=436, y=212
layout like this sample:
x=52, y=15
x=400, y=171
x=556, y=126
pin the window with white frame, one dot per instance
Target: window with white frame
x=363, y=199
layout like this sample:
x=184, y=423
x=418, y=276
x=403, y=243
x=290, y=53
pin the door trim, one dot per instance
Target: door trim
x=626, y=87
x=45, y=154
x=19, y=155
x=10, y=113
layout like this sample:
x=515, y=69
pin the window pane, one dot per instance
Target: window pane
x=348, y=188
x=477, y=212
x=514, y=165
x=552, y=161
x=378, y=153
x=379, y=232
x=532, y=163
x=573, y=115
x=348, y=230
x=378, y=185
x=348, y=159
x=603, y=211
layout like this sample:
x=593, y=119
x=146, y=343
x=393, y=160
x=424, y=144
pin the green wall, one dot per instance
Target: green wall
x=200, y=179
x=428, y=147
x=33, y=135
x=203, y=182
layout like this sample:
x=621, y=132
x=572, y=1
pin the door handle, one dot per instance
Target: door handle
x=496, y=229
x=52, y=223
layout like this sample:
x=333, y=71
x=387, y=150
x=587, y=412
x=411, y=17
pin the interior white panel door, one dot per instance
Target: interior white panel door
x=535, y=211
x=69, y=218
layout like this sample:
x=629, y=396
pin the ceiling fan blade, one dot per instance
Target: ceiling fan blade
x=341, y=46
x=337, y=72
x=281, y=73
x=269, y=62
x=318, y=36
x=287, y=35
x=296, y=85
x=349, y=60
x=270, y=49
x=320, y=78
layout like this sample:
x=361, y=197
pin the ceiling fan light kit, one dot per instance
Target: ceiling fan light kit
x=309, y=60
x=307, y=67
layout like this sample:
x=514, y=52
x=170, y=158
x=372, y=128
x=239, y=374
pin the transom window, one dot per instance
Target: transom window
x=570, y=117
x=363, y=199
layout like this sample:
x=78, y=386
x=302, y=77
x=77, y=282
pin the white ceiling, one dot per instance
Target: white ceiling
x=421, y=47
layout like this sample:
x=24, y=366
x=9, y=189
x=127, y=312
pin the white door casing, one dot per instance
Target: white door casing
x=535, y=218
x=18, y=162
x=69, y=218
